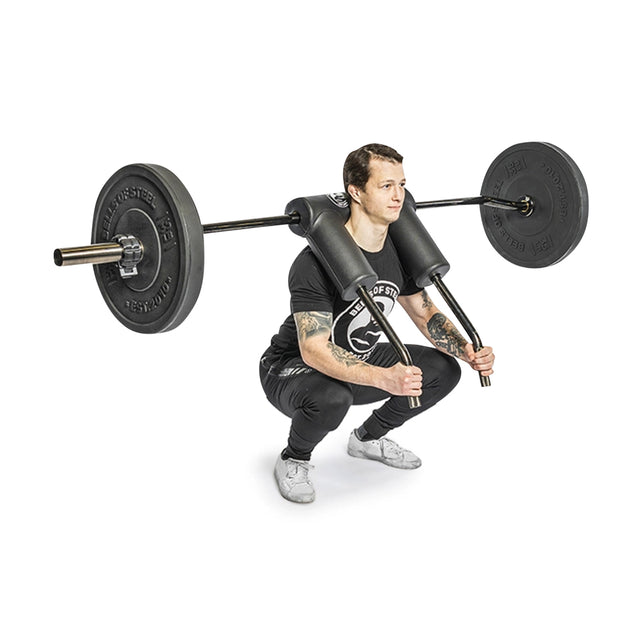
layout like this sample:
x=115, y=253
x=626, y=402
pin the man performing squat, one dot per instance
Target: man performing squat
x=326, y=356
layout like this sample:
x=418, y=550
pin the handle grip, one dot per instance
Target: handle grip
x=485, y=381
x=401, y=351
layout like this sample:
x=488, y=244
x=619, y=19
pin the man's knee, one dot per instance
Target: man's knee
x=450, y=371
x=327, y=402
x=445, y=373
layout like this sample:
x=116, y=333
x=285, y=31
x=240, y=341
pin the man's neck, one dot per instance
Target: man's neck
x=368, y=236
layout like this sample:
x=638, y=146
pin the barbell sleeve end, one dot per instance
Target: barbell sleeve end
x=90, y=254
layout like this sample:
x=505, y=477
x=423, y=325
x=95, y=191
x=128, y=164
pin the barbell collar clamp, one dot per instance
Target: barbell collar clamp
x=132, y=253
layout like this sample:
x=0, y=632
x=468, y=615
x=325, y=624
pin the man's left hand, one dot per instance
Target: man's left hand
x=482, y=360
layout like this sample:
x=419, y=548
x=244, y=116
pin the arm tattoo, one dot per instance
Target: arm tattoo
x=343, y=356
x=445, y=336
x=426, y=300
x=312, y=323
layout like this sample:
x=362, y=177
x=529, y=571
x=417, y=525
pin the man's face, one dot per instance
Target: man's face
x=383, y=195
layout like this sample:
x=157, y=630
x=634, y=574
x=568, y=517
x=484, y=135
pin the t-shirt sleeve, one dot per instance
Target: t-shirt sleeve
x=409, y=286
x=309, y=285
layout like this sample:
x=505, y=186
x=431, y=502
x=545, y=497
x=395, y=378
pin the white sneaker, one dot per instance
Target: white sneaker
x=293, y=479
x=383, y=450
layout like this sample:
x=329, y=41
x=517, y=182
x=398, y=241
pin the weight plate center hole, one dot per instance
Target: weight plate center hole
x=528, y=208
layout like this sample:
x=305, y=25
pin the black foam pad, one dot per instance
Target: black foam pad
x=322, y=220
x=418, y=252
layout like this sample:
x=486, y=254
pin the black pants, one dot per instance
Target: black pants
x=317, y=404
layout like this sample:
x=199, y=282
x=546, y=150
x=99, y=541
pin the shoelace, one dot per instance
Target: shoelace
x=299, y=468
x=391, y=447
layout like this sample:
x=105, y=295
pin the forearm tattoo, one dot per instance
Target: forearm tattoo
x=343, y=356
x=426, y=300
x=445, y=336
x=312, y=323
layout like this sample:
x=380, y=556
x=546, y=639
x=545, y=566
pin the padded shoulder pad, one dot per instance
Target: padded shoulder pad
x=417, y=251
x=309, y=210
x=322, y=220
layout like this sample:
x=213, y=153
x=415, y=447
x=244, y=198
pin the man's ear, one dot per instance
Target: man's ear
x=354, y=192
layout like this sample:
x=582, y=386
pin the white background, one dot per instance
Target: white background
x=136, y=489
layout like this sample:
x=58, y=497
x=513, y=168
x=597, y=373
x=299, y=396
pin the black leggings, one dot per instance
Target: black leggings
x=317, y=404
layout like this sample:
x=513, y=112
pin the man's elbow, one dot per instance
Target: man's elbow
x=309, y=354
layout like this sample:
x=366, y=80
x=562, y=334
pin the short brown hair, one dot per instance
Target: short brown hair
x=356, y=166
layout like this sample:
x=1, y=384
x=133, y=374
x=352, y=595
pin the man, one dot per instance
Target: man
x=326, y=356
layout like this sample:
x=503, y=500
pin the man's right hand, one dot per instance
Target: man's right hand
x=401, y=380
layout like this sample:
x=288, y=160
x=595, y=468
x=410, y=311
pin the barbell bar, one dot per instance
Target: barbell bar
x=106, y=252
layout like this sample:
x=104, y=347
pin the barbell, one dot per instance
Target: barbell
x=147, y=241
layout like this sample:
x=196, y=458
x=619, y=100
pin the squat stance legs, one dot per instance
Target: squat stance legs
x=318, y=404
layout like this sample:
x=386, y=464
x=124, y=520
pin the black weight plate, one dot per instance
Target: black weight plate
x=561, y=204
x=150, y=202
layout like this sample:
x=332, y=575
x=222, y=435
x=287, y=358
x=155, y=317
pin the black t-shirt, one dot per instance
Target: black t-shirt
x=353, y=327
